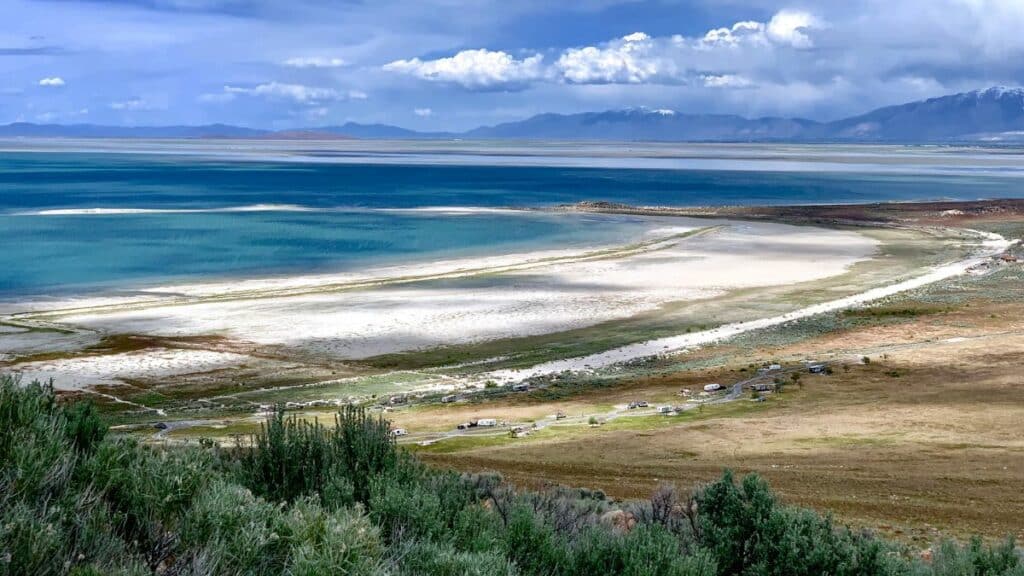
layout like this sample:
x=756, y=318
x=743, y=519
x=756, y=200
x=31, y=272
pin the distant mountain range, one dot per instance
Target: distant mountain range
x=992, y=115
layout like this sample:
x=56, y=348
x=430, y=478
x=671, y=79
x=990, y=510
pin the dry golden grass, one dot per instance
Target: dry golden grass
x=930, y=435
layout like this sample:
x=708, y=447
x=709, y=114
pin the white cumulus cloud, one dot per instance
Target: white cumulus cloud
x=52, y=81
x=733, y=56
x=632, y=59
x=636, y=37
x=314, y=62
x=786, y=28
x=791, y=26
x=747, y=31
x=474, y=69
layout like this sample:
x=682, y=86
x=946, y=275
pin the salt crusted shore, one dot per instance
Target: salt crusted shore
x=352, y=316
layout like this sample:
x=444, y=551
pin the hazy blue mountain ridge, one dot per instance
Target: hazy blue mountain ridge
x=994, y=114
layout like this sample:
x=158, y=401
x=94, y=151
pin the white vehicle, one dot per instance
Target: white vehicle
x=399, y=432
x=712, y=387
x=487, y=422
x=665, y=410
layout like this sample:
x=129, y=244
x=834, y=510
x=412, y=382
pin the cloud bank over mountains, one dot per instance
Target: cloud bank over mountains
x=269, y=64
x=635, y=58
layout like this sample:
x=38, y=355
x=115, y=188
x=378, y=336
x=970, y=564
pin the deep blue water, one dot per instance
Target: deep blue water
x=51, y=180
x=51, y=254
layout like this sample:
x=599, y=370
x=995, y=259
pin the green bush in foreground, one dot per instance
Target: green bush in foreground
x=309, y=499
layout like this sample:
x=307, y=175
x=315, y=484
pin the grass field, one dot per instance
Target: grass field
x=929, y=434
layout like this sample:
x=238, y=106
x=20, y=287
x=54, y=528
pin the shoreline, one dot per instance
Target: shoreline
x=326, y=319
x=250, y=288
x=464, y=304
x=993, y=245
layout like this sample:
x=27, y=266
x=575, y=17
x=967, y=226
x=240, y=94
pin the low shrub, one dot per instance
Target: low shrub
x=307, y=499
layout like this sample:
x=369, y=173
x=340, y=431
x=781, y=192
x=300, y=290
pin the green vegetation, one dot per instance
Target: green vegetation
x=302, y=498
x=895, y=311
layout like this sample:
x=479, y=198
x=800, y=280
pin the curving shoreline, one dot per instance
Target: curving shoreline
x=992, y=245
x=455, y=303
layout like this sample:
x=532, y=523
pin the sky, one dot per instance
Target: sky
x=458, y=64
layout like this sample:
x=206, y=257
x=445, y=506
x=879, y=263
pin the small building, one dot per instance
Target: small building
x=487, y=422
x=664, y=410
x=712, y=387
x=398, y=400
x=521, y=388
x=761, y=387
x=399, y=432
x=449, y=398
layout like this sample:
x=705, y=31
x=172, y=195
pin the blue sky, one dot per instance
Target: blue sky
x=455, y=64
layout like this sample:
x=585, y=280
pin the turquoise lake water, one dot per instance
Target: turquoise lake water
x=343, y=216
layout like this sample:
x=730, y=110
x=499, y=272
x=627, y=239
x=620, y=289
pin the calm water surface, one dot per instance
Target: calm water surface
x=343, y=216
